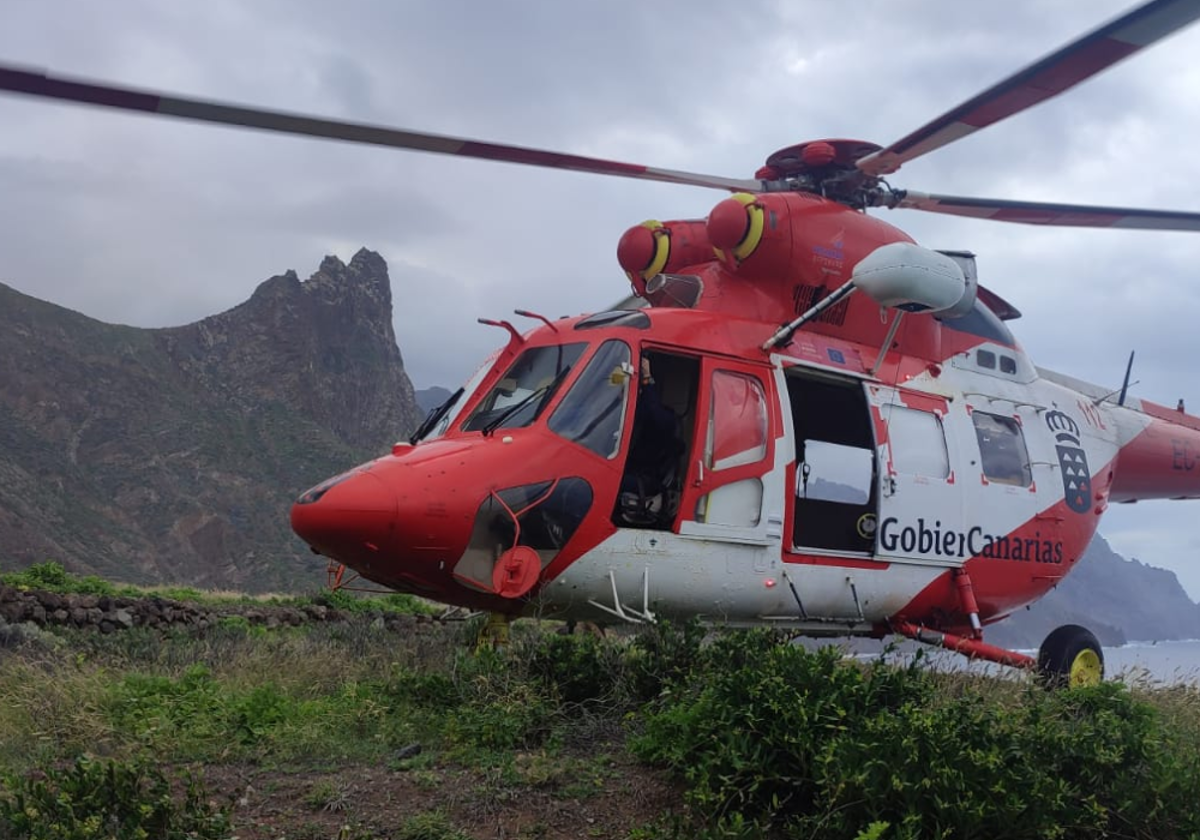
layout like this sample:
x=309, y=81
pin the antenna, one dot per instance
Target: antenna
x=1125, y=384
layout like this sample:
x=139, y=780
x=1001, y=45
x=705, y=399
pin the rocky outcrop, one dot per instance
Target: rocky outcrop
x=325, y=347
x=172, y=455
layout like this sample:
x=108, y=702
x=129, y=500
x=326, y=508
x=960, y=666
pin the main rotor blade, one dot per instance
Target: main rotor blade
x=1060, y=71
x=1060, y=215
x=46, y=86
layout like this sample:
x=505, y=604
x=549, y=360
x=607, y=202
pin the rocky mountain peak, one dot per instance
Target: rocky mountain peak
x=325, y=345
x=363, y=285
x=366, y=276
x=172, y=454
x=280, y=286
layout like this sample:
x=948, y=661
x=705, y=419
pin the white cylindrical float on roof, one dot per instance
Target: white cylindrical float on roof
x=902, y=275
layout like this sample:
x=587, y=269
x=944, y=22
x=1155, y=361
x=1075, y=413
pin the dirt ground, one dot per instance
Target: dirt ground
x=358, y=802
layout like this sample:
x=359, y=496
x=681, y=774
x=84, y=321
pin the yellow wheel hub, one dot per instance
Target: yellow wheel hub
x=1086, y=669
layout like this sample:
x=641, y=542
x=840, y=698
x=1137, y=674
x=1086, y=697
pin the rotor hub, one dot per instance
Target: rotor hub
x=817, y=155
x=826, y=168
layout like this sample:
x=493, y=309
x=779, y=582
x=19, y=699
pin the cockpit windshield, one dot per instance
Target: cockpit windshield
x=526, y=387
x=441, y=418
x=593, y=411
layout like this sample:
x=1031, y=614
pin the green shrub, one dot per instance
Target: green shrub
x=662, y=655
x=769, y=734
x=499, y=708
x=514, y=718
x=424, y=688
x=95, y=799
x=195, y=716
x=234, y=622
x=575, y=669
x=52, y=577
x=184, y=717
x=257, y=713
x=393, y=602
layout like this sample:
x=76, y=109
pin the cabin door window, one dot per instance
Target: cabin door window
x=835, y=499
x=726, y=492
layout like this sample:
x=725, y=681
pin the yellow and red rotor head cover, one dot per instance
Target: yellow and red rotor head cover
x=643, y=252
x=735, y=227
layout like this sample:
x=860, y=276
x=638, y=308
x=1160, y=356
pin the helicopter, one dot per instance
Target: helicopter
x=804, y=419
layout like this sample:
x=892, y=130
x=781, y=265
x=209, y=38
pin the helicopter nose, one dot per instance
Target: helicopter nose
x=351, y=518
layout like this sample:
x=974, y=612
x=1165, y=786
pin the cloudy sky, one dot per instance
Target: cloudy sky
x=153, y=223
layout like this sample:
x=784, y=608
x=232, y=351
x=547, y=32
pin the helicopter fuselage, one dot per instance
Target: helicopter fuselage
x=833, y=484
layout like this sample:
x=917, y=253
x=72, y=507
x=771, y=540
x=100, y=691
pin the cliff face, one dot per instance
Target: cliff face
x=173, y=455
x=324, y=347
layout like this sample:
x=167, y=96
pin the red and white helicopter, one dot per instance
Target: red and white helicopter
x=812, y=422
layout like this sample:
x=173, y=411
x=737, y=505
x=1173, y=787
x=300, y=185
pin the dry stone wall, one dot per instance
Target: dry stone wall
x=108, y=614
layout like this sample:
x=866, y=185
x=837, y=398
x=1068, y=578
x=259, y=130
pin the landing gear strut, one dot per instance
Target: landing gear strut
x=972, y=648
x=1069, y=658
x=494, y=634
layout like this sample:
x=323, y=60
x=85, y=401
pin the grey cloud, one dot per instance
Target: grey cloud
x=131, y=219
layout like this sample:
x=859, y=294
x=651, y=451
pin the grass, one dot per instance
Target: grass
x=231, y=694
x=550, y=719
x=430, y=825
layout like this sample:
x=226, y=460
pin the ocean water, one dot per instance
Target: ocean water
x=1163, y=663
x=1169, y=663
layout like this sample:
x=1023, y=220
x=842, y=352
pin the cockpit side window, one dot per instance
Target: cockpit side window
x=593, y=411
x=528, y=385
x=1002, y=447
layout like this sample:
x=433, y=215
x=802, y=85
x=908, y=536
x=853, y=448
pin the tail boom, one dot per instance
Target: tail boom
x=1162, y=461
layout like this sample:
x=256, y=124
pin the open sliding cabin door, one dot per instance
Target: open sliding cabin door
x=728, y=494
x=836, y=496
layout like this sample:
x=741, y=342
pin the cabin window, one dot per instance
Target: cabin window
x=1002, y=449
x=592, y=412
x=526, y=387
x=737, y=421
x=737, y=436
x=985, y=359
x=918, y=442
x=834, y=472
x=1008, y=365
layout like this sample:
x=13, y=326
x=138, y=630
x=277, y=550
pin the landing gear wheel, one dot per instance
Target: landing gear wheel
x=1070, y=657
